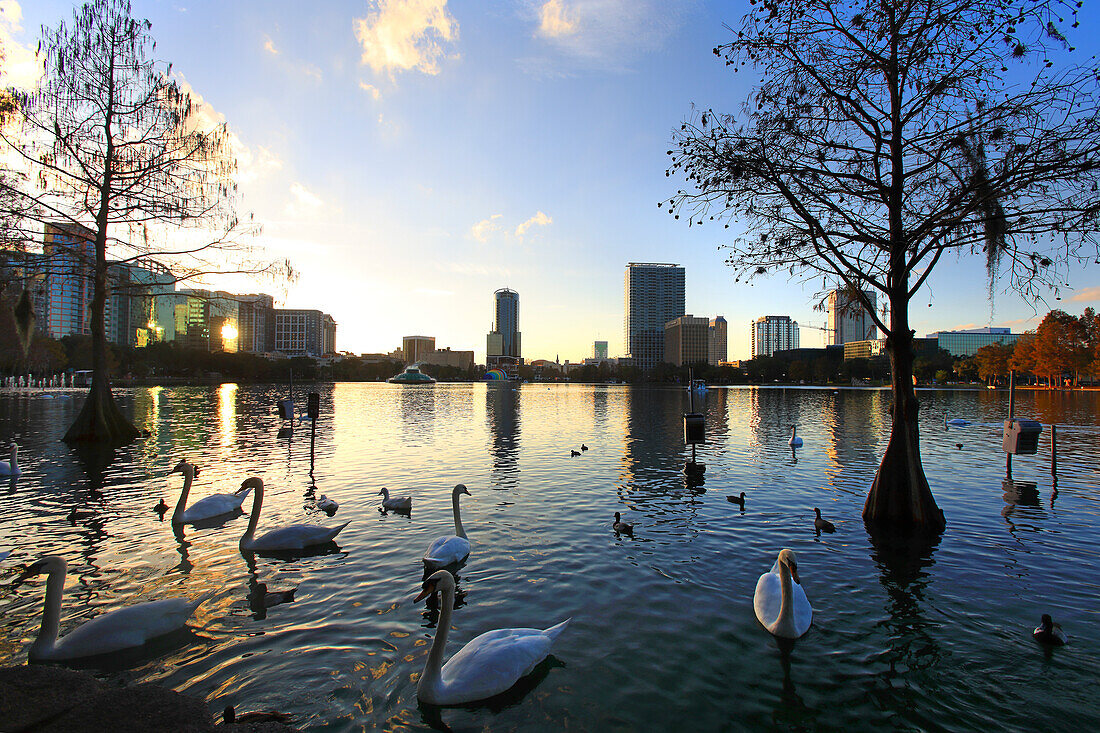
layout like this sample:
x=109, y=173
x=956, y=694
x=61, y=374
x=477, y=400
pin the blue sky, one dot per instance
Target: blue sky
x=412, y=156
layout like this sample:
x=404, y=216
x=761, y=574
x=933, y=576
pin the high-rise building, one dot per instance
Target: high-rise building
x=653, y=295
x=301, y=332
x=686, y=340
x=132, y=316
x=848, y=319
x=417, y=348
x=599, y=350
x=256, y=323
x=70, y=252
x=502, y=344
x=769, y=334
x=716, y=341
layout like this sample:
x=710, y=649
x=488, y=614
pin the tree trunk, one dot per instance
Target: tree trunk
x=900, y=497
x=100, y=421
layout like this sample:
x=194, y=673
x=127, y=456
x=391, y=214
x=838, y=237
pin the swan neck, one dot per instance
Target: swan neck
x=181, y=505
x=254, y=516
x=51, y=613
x=786, y=603
x=434, y=666
x=459, y=531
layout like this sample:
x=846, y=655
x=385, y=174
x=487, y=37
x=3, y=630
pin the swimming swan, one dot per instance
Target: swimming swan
x=401, y=503
x=11, y=468
x=122, y=628
x=780, y=602
x=292, y=537
x=208, y=507
x=795, y=441
x=954, y=420
x=451, y=549
x=488, y=665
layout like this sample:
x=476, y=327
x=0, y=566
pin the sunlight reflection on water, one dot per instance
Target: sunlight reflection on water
x=663, y=632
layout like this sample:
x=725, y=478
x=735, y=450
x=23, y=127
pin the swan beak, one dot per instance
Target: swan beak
x=794, y=574
x=465, y=491
x=427, y=590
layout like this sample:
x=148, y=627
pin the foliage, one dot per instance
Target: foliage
x=992, y=361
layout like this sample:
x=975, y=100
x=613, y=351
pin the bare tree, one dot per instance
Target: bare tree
x=884, y=135
x=120, y=159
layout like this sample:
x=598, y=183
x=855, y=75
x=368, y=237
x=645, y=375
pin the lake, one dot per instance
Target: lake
x=663, y=635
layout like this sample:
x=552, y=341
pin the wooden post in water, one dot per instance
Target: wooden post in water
x=1054, y=453
x=1011, y=415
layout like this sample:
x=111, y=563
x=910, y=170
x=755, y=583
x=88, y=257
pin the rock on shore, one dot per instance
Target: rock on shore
x=45, y=699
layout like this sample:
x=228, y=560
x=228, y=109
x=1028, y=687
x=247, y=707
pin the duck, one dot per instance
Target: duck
x=450, y=549
x=584, y=447
x=780, y=602
x=822, y=525
x=123, y=628
x=620, y=526
x=161, y=507
x=289, y=538
x=10, y=467
x=399, y=503
x=207, y=507
x=959, y=446
x=75, y=514
x=260, y=598
x=574, y=453
x=795, y=441
x=738, y=500
x=488, y=665
x=327, y=505
x=1049, y=632
x=954, y=420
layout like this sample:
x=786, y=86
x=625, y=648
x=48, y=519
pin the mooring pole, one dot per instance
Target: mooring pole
x=1011, y=415
x=1054, y=452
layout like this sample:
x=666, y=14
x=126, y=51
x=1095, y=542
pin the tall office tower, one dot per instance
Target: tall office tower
x=417, y=348
x=132, y=318
x=770, y=334
x=70, y=254
x=686, y=340
x=716, y=341
x=304, y=332
x=502, y=344
x=848, y=320
x=599, y=350
x=653, y=295
x=256, y=322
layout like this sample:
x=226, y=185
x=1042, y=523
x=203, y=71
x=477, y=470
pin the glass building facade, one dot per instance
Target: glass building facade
x=653, y=295
x=967, y=343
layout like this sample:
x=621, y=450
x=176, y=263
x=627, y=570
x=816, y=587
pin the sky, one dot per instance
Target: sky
x=410, y=157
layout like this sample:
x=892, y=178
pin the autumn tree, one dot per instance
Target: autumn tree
x=883, y=136
x=1023, y=354
x=1060, y=347
x=992, y=361
x=115, y=146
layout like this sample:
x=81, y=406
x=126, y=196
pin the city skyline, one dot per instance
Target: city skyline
x=465, y=143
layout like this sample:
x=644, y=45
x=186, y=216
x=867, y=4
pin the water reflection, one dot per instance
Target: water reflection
x=502, y=416
x=227, y=417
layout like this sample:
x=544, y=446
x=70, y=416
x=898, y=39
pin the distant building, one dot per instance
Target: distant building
x=70, y=252
x=131, y=320
x=653, y=295
x=417, y=348
x=686, y=340
x=769, y=334
x=716, y=341
x=599, y=350
x=968, y=341
x=300, y=332
x=848, y=320
x=446, y=357
x=864, y=349
x=256, y=323
x=502, y=344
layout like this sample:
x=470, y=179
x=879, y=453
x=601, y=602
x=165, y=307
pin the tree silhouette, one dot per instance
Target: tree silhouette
x=881, y=137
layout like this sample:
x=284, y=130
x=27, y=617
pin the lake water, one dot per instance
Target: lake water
x=663, y=634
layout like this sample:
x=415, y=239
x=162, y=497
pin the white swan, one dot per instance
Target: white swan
x=402, y=503
x=11, y=468
x=123, y=628
x=954, y=420
x=488, y=665
x=795, y=441
x=450, y=549
x=292, y=537
x=208, y=507
x=780, y=602
x=327, y=505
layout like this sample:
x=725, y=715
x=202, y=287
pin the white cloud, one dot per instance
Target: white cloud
x=1086, y=295
x=555, y=19
x=370, y=89
x=484, y=228
x=269, y=46
x=20, y=68
x=312, y=71
x=539, y=218
x=304, y=198
x=404, y=35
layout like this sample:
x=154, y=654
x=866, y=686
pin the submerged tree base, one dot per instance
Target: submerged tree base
x=900, y=498
x=100, y=421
